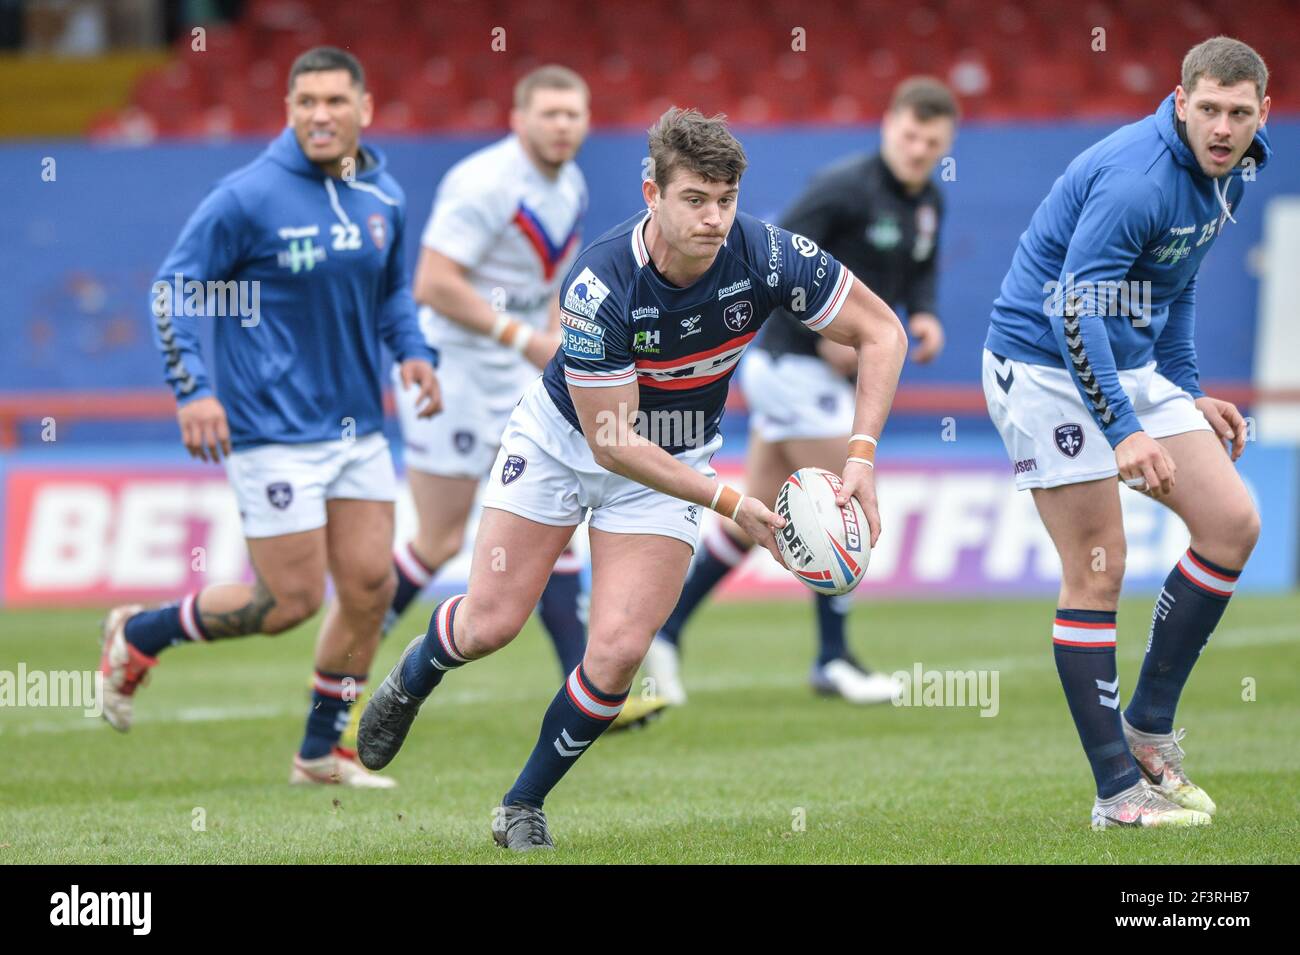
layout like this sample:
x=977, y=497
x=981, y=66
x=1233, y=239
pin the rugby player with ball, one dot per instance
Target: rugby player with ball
x=656, y=314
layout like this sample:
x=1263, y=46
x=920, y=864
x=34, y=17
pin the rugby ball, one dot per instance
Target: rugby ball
x=824, y=545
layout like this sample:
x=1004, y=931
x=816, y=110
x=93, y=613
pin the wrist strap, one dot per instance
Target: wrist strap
x=511, y=332
x=726, y=501
x=862, y=449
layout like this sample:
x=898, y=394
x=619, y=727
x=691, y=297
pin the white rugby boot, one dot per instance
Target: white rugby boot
x=1143, y=806
x=339, y=768
x=845, y=678
x=663, y=665
x=125, y=668
x=1160, y=757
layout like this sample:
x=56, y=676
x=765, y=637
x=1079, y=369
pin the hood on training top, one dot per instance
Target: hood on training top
x=285, y=151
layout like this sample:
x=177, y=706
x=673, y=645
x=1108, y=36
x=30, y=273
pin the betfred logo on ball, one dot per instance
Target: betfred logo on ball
x=822, y=543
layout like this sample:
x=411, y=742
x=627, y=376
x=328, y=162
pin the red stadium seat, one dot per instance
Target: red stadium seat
x=433, y=66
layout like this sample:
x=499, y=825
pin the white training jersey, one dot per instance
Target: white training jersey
x=514, y=229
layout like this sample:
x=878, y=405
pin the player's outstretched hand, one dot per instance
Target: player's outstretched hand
x=417, y=371
x=760, y=524
x=860, y=481
x=928, y=332
x=1145, y=465
x=1226, y=421
x=204, y=429
x=541, y=348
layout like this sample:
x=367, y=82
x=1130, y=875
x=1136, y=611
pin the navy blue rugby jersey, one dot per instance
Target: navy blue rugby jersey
x=623, y=322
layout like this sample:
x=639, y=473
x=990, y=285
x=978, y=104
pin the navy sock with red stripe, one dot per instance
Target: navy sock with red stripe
x=1193, y=600
x=413, y=575
x=424, y=670
x=560, y=610
x=717, y=556
x=332, y=698
x=579, y=713
x=152, y=631
x=1083, y=642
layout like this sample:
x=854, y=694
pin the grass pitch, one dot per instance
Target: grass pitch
x=754, y=769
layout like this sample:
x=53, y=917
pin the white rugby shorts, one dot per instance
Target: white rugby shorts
x=545, y=472
x=477, y=397
x=282, y=488
x=796, y=396
x=1051, y=436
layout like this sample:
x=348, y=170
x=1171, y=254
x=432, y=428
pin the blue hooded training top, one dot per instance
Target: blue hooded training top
x=304, y=275
x=1104, y=278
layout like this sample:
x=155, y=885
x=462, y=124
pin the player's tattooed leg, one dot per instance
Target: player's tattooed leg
x=244, y=620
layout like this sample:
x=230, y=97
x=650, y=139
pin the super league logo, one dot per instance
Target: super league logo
x=514, y=466
x=1069, y=439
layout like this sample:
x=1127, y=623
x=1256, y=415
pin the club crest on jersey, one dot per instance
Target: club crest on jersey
x=1069, y=439
x=280, y=494
x=585, y=294
x=378, y=230
x=737, y=316
x=513, y=468
x=463, y=441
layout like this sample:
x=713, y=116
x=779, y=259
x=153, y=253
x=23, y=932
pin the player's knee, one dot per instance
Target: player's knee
x=292, y=608
x=486, y=627
x=617, y=649
x=1098, y=575
x=1239, y=532
x=440, y=544
x=365, y=588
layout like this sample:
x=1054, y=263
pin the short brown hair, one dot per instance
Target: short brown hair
x=552, y=76
x=687, y=139
x=1227, y=60
x=925, y=96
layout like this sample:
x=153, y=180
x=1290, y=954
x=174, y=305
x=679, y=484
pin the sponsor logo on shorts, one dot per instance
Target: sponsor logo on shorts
x=513, y=468
x=463, y=441
x=1069, y=439
x=737, y=316
x=735, y=288
x=827, y=402
x=585, y=294
x=693, y=514
x=1027, y=465
x=280, y=494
